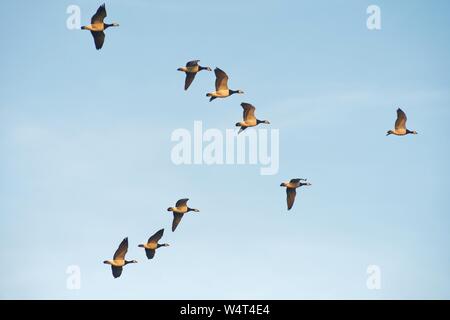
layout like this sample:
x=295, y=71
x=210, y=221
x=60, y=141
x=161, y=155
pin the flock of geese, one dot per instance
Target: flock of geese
x=118, y=261
x=97, y=28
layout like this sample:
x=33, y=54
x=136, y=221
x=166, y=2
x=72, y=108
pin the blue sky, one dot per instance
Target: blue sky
x=85, y=150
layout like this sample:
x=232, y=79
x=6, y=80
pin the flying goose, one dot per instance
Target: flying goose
x=400, y=125
x=291, y=192
x=191, y=69
x=152, y=244
x=97, y=26
x=118, y=260
x=249, y=118
x=222, y=90
x=179, y=210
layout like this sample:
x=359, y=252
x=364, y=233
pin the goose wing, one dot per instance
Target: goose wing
x=400, y=123
x=249, y=111
x=192, y=63
x=190, y=76
x=155, y=238
x=122, y=250
x=291, y=193
x=99, y=15
x=296, y=181
x=176, y=220
x=242, y=129
x=181, y=203
x=150, y=253
x=99, y=38
x=116, y=271
x=221, y=80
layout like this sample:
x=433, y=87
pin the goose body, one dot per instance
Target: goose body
x=191, y=69
x=291, y=190
x=400, y=125
x=97, y=26
x=249, y=117
x=179, y=210
x=118, y=261
x=152, y=244
x=115, y=263
x=222, y=90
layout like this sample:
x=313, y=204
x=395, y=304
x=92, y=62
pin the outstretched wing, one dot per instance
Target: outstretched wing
x=192, y=63
x=182, y=202
x=116, y=271
x=176, y=220
x=155, y=238
x=242, y=129
x=122, y=250
x=295, y=180
x=400, y=123
x=221, y=80
x=150, y=253
x=291, y=193
x=190, y=76
x=99, y=38
x=99, y=15
x=249, y=111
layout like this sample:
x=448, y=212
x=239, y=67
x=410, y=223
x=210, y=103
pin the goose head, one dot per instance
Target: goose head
x=107, y=25
x=131, y=261
x=141, y=246
x=195, y=210
x=412, y=132
x=163, y=245
x=206, y=68
x=236, y=91
x=263, y=121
